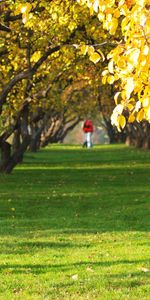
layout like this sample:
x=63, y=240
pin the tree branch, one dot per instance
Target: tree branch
x=4, y=28
x=24, y=75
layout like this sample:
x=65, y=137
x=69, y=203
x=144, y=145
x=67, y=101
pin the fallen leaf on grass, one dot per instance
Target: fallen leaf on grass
x=17, y=291
x=144, y=270
x=74, y=277
x=13, y=209
x=89, y=269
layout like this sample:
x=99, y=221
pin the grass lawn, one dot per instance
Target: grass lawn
x=74, y=224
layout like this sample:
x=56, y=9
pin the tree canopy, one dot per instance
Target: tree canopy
x=128, y=62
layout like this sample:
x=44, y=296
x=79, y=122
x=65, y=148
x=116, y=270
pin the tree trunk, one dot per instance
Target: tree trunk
x=5, y=155
x=17, y=156
x=16, y=140
x=129, y=141
x=114, y=136
x=146, y=144
x=35, y=140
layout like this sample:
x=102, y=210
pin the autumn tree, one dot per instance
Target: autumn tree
x=39, y=44
x=129, y=61
x=54, y=60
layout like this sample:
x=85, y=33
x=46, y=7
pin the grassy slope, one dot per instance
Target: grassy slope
x=74, y=225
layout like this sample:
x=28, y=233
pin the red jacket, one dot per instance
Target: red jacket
x=88, y=126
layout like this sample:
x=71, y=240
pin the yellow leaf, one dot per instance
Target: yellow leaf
x=90, y=50
x=101, y=16
x=122, y=62
x=124, y=9
x=121, y=121
x=36, y=56
x=91, y=10
x=111, y=66
x=114, y=25
x=119, y=109
x=25, y=17
x=105, y=72
x=117, y=13
x=116, y=76
x=131, y=118
x=147, y=27
x=137, y=106
x=95, y=57
x=96, y=5
x=110, y=79
x=26, y=8
x=116, y=97
x=146, y=50
x=102, y=54
x=130, y=106
x=129, y=86
x=84, y=49
x=133, y=55
x=104, y=79
x=148, y=113
x=146, y=102
x=54, y=16
x=140, y=115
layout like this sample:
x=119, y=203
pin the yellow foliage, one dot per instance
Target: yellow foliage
x=84, y=49
x=117, y=118
x=140, y=115
x=25, y=10
x=94, y=57
x=113, y=26
x=128, y=21
x=130, y=59
x=116, y=97
x=102, y=54
x=121, y=121
x=129, y=86
x=111, y=66
x=104, y=79
x=130, y=106
x=110, y=79
x=146, y=102
x=36, y=56
x=131, y=118
x=91, y=50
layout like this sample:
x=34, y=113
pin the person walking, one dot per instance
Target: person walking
x=88, y=130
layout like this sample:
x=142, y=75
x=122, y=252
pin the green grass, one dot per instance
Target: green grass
x=74, y=224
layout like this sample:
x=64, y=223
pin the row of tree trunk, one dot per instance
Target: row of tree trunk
x=135, y=134
x=43, y=128
x=32, y=131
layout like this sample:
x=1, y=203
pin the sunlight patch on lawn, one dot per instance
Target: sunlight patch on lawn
x=83, y=167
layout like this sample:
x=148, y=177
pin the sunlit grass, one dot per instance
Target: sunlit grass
x=75, y=225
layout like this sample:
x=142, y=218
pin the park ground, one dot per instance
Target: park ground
x=74, y=224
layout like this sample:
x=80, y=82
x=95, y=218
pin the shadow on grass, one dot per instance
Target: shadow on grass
x=77, y=212
x=31, y=247
x=76, y=215
x=76, y=201
x=41, y=268
x=130, y=280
